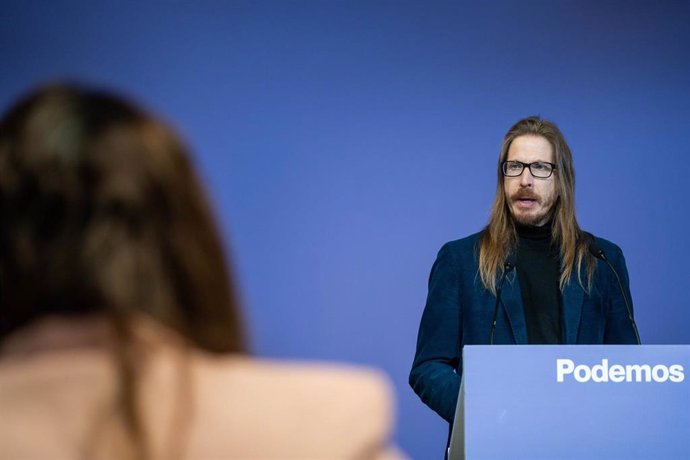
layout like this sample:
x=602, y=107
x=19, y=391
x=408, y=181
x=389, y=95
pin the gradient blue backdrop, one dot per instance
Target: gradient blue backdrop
x=344, y=141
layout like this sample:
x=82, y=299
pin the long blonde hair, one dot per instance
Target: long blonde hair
x=499, y=236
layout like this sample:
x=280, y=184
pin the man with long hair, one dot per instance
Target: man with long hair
x=531, y=276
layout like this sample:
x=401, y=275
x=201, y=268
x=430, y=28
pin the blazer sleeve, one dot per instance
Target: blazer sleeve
x=433, y=376
x=618, y=328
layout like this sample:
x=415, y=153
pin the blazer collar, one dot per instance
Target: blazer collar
x=511, y=298
x=572, y=298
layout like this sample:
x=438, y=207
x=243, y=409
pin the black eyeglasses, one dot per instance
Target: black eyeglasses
x=540, y=169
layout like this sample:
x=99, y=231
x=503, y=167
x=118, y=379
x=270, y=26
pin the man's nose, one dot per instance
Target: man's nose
x=526, y=179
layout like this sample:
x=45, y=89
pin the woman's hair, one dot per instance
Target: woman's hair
x=101, y=212
x=499, y=236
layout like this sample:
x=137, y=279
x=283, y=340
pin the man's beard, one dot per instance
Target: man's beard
x=535, y=220
x=527, y=218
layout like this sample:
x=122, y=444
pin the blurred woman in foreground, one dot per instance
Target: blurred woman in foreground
x=120, y=334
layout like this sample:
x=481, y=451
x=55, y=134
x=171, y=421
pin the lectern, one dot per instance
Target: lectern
x=573, y=402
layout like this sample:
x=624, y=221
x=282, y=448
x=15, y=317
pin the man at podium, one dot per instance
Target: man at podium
x=531, y=276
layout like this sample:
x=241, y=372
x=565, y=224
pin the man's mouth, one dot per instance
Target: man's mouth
x=525, y=201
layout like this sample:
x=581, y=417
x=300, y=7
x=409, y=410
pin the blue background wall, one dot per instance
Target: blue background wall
x=344, y=142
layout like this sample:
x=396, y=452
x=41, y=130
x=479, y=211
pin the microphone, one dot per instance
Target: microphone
x=509, y=264
x=597, y=252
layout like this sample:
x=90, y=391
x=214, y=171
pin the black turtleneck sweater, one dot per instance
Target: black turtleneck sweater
x=538, y=269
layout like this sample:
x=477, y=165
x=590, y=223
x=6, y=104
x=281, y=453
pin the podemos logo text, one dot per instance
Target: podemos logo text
x=601, y=373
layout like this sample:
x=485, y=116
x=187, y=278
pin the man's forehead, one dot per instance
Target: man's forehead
x=529, y=148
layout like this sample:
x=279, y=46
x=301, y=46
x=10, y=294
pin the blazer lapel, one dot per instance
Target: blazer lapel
x=511, y=298
x=573, y=296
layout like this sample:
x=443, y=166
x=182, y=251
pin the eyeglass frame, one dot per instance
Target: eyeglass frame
x=529, y=167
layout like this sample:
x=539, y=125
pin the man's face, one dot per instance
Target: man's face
x=530, y=199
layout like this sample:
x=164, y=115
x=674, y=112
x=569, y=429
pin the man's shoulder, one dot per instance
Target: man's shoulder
x=462, y=245
x=609, y=247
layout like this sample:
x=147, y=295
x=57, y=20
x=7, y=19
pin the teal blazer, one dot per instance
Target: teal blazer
x=459, y=311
